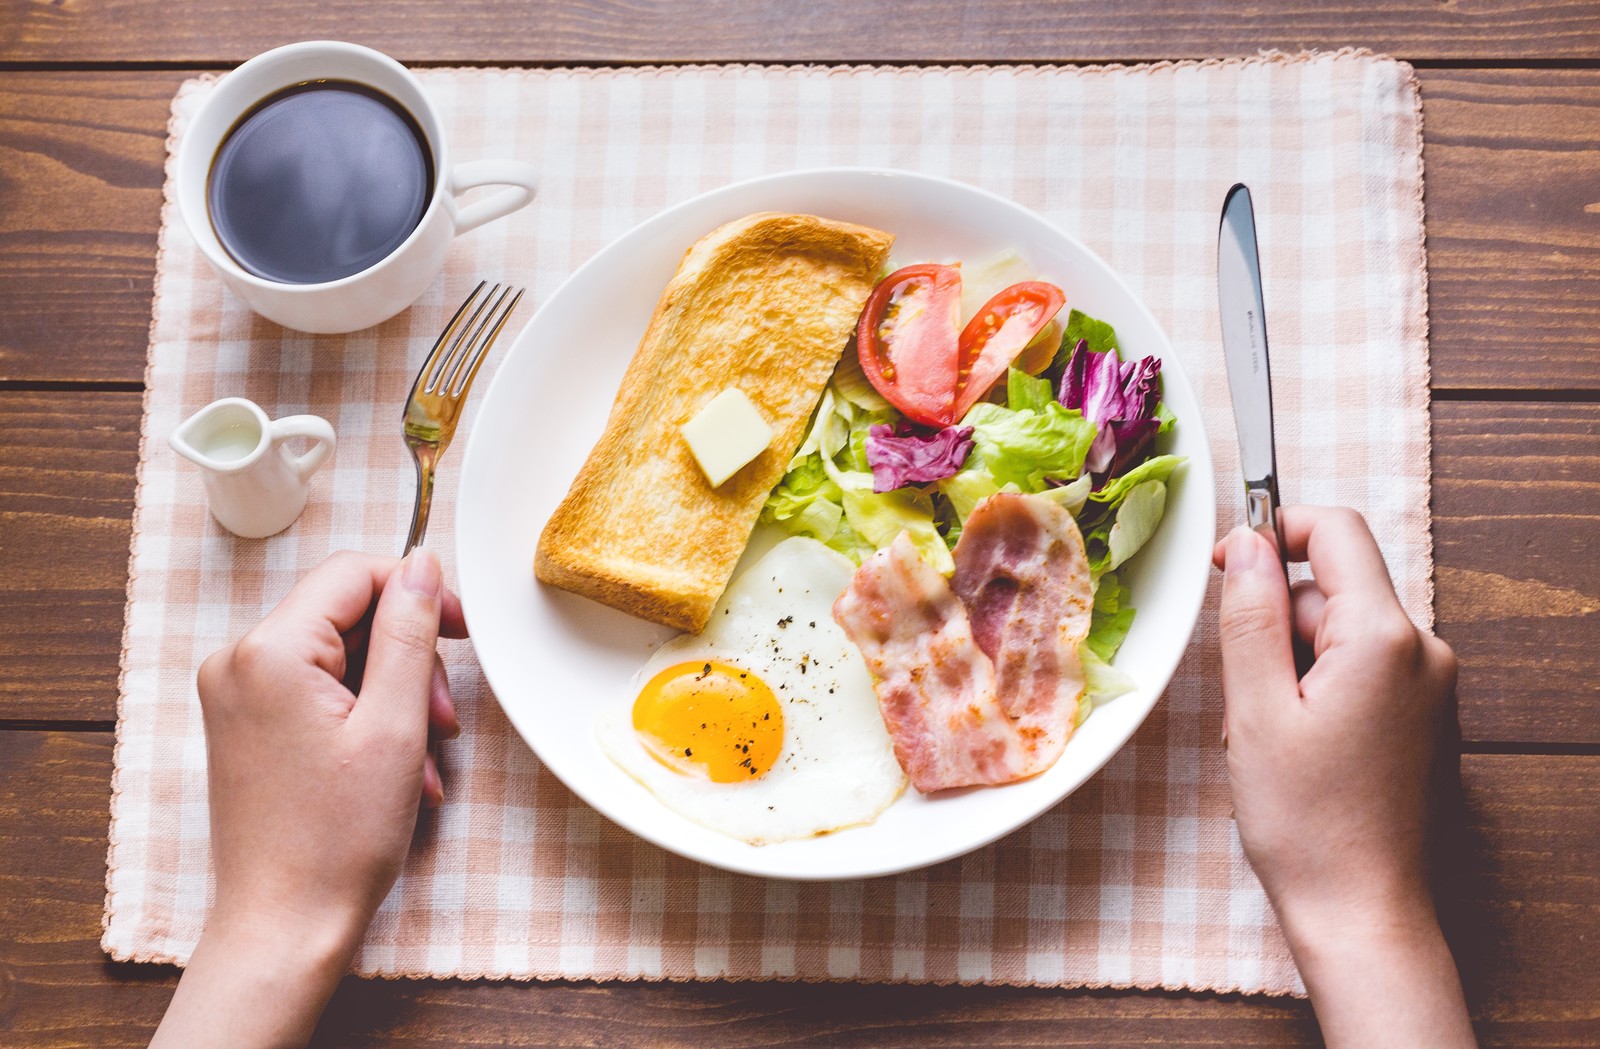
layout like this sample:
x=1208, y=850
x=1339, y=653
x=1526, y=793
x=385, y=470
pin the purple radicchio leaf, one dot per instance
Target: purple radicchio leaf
x=1102, y=451
x=903, y=457
x=1119, y=398
x=1135, y=441
x=1074, y=379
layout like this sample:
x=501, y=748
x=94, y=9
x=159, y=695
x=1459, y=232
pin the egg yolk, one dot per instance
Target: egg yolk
x=711, y=720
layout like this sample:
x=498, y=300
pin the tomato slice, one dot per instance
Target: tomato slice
x=907, y=341
x=913, y=354
x=997, y=335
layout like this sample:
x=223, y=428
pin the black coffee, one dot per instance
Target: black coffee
x=319, y=181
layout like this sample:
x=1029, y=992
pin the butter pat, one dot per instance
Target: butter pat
x=726, y=435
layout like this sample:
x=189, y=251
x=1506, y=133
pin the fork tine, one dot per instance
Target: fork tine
x=444, y=337
x=436, y=377
x=482, y=352
x=446, y=382
x=454, y=385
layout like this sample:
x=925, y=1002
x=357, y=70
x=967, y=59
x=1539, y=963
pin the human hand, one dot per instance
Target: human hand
x=318, y=724
x=315, y=786
x=1331, y=772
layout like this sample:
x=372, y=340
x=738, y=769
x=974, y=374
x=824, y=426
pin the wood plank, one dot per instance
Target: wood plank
x=1516, y=509
x=723, y=30
x=1523, y=898
x=1514, y=261
x=66, y=502
x=1515, y=500
x=81, y=158
x=1513, y=216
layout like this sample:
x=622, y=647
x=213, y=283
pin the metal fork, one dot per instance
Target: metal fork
x=443, y=384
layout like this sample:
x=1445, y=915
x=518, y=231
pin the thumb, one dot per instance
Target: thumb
x=1257, y=631
x=402, y=650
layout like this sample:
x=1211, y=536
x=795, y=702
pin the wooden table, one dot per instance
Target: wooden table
x=1512, y=106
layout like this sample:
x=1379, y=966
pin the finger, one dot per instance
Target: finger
x=1258, y=670
x=401, y=655
x=1308, y=602
x=452, y=621
x=1344, y=556
x=432, y=783
x=442, y=720
x=355, y=652
x=355, y=646
x=342, y=589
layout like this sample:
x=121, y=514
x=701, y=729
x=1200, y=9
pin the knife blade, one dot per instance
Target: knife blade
x=1244, y=345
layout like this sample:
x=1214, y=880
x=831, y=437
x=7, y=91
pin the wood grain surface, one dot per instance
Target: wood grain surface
x=1513, y=220
x=1514, y=261
x=1523, y=885
x=1516, y=511
x=66, y=502
x=609, y=31
x=81, y=158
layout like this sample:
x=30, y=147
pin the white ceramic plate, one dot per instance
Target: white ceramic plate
x=555, y=661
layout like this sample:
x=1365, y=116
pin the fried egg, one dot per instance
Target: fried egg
x=764, y=726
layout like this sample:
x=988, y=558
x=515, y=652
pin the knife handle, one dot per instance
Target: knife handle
x=1261, y=514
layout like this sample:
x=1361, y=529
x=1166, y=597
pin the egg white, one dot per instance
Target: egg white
x=837, y=766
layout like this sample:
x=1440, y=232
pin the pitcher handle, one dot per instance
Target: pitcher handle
x=316, y=429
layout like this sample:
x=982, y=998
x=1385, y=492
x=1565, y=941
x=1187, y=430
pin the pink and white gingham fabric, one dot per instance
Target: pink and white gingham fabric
x=1138, y=879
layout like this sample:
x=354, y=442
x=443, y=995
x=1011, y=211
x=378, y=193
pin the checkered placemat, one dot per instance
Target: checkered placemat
x=1138, y=879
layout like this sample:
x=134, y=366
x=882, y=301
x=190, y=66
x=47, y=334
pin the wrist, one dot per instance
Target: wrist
x=1381, y=920
x=317, y=946
x=258, y=979
x=1379, y=976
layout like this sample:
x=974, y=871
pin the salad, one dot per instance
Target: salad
x=928, y=416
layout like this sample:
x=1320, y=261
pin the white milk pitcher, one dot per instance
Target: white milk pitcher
x=256, y=486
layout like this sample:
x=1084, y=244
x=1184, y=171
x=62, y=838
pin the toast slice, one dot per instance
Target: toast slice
x=766, y=304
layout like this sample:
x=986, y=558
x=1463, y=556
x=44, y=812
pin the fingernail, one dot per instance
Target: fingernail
x=421, y=575
x=1242, y=551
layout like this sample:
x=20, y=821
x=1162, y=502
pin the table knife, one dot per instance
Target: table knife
x=1244, y=345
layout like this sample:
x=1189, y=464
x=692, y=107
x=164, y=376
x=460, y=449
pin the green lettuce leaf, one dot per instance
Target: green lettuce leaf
x=827, y=492
x=880, y=518
x=1070, y=497
x=1023, y=447
x=1159, y=468
x=1136, y=522
x=1098, y=334
x=1111, y=619
x=1023, y=391
x=825, y=420
x=1102, y=681
x=1108, y=628
x=1165, y=417
x=851, y=384
x=968, y=487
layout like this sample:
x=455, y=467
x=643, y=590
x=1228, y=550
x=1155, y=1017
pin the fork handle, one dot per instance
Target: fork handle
x=419, y=511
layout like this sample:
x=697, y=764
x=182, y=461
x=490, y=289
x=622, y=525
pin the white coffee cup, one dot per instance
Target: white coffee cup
x=385, y=288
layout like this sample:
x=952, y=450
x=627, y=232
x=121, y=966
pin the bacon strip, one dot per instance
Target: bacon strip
x=1023, y=575
x=935, y=686
x=978, y=678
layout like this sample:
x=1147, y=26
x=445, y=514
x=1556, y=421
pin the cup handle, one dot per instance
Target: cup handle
x=519, y=178
x=313, y=427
